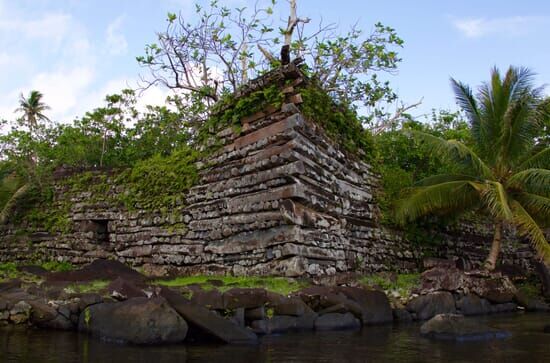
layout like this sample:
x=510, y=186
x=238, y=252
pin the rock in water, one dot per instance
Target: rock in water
x=428, y=306
x=456, y=327
x=137, y=321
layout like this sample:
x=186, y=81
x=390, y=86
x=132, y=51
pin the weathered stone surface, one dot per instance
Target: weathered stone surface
x=207, y=321
x=472, y=304
x=137, y=321
x=284, y=323
x=211, y=299
x=123, y=289
x=375, y=306
x=456, y=327
x=428, y=306
x=337, y=321
x=244, y=298
x=20, y=312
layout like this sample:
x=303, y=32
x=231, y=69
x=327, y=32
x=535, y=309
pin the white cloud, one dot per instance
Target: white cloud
x=63, y=89
x=51, y=26
x=506, y=26
x=116, y=42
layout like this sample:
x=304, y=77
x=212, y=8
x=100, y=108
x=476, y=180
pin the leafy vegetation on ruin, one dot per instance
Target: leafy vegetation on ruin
x=279, y=285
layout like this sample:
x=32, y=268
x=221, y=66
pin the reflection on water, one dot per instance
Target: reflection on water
x=528, y=344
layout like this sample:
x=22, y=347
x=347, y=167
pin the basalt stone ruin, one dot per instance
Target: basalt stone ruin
x=278, y=198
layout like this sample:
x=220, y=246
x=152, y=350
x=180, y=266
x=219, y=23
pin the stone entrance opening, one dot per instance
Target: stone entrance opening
x=100, y=229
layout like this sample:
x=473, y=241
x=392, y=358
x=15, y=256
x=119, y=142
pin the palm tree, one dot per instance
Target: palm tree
x=505, y=174
x=33, y=109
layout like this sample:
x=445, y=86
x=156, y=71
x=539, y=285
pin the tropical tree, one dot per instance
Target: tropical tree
x=33, y=109
x=25, y=174
x=505, y=173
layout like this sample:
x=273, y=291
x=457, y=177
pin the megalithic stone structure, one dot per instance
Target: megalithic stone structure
x=279, y=197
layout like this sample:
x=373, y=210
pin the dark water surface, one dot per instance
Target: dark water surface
x=528, y=344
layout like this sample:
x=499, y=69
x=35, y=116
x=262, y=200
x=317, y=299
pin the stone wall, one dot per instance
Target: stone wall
x=278, y=198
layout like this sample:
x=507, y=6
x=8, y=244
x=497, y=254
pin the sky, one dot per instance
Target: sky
x=77, y=51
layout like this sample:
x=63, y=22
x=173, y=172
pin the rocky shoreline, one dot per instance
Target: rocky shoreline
x=133, y=309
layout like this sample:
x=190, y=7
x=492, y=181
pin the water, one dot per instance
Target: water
x=528, y=344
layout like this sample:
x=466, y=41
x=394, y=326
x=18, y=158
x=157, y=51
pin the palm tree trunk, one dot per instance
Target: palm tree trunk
x=12, y=203
x=491, y=261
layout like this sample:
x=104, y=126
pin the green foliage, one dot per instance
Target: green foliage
x=57, y=266
x=401, y=283
x=8, y=270
x=402, y=160
x=340, y=121
x=279, y=285
x=230, y=111
x=160, y=181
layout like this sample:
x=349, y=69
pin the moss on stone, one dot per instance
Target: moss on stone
x=279, y=285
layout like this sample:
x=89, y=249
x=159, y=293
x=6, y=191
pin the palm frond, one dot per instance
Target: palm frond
x=467, y=102
x=528, y=228
x=443, y=178
x=539, y=160
x=455, y=152
x=537, y=206
x=536, y=181
x=495, y=198
x=440, y=198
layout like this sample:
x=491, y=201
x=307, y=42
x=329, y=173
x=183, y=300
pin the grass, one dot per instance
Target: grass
x=8, y=270
x=56, y=266
x=92, y=286
x=402, y=283
x=529, y=289
x=279, y=285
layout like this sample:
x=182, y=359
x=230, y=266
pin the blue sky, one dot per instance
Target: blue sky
x=76, y=51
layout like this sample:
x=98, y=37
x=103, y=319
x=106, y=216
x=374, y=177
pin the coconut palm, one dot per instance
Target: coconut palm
x=33, y=109
x=504, y=173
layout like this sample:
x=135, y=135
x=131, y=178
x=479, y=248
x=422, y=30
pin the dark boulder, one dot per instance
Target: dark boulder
x=375, y=306
x=244, y=298
x=87, y=299
x=428, y=306
x=255, y=313
x=456, y=327
x=45, y=316
x=123, y=289
x=442, y=278
x=211, y=299
x=472, y=304
x=293, y=306
x=206, y=321
x=137, y=321
x=337, y=322
x=496, y=289
x=284, y=323
x=547, y=329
